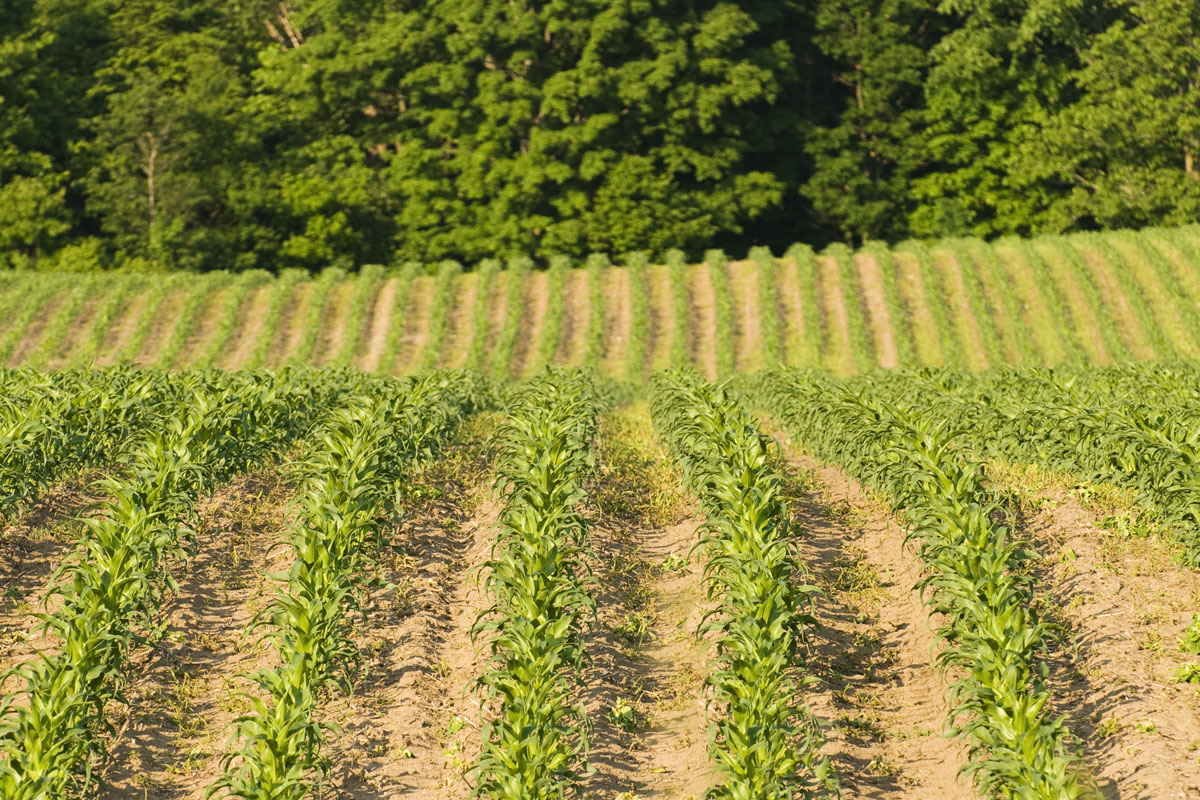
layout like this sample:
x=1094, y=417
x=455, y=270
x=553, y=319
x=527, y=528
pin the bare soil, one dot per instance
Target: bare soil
x=618, y=319
x=248, y=327
x=837, y=358
x=1117, y=304
x=961, y=313
x=416, y=327
x=1085, y=329
x=913, y=294
x=460, y=323
x=185, y=697
x=883, y=327
x=535, y=300
x=379, y=324
x=577, y=315
x=743, y=286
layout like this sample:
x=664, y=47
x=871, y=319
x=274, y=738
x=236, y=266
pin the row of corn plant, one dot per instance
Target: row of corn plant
x=283, y=290
x=862, y=353
x=767, y=272
x=535, y=744
x=366, y=292
x=980, y=306
x=157, y=300
x=1021, y=348
x=58, y=325
x=597, y=268
x=765, y=740
x=514, y=310
x=38, y=296
x=804, y=345
x=935, y=297
x=53, y=732
x=439, y=315
x=238, y=297
x=638, y=349
x=349, y=482
x=725, y=331
x=1131, y=289
x=901, y=318
x=1063, y=251
x=317, y=313
x=976, y=579
x=1053, y=295
x=113, y=303
x=552, y=320
x=408, y=273
x=1146, y=245
x=197, y=300
x=680, y=312
x=486, y=273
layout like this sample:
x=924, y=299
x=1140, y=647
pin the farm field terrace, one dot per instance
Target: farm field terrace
x=319, y=582
x=1098, y=299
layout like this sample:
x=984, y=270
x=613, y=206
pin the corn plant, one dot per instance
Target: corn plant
x=51, y=743
x=803, y=347
x=639, y=333
x=766, y=740
x=58, y=324
x=514, y=310
x=862, y=353
x=198, y=299
x=367, y=285
x=485, y=274
x=439, y=313
x=110, y=305
x=316, y=314
x=1131, y=289
x=1063, y=251
x=236, y=297
x=535, y=748
x=357, y=465
x=156, y=300
x=975, y=576
x=1145, y=243
x=935, y=295
x=726, y=332
x=767, y=270
x=282, y=290
x=979, y=305
x=552, y=321
x=680, y=313
x=405, y=276
x=1024, y=350
x=597, y=270
x=37, y=297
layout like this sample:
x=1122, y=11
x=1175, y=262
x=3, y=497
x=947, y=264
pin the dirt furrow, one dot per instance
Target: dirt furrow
x=576, y=314
x=702, y=313
x=743, y=286
x=1116, y=303
x=535, y=300
x=416, y=326
x=618, y=320
x=460, y=320
x=794, y=327
x=963, y=316
x=883, y=327
x=166, y=318
x=33, y=332
x=333, y=322
x=379, y=325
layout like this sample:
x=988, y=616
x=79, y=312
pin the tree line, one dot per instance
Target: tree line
x=264, y=134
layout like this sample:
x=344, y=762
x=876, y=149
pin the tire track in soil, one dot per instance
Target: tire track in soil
x=702, y=314
x=416, y=326
x=872, y=647
x=379, y=325
x=618, y=320
x=183, y=700
x=119, y=333
x=535, y=300
x=962, y=316
x=576, y=314
x=247, y=327
x=879, y=318
x=1124, y=603
x=460, y=321
x=743, y=286
x=833, y=301
x=913, y=296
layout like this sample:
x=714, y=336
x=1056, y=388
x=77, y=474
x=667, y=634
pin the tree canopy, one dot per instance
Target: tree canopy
x=259, y=134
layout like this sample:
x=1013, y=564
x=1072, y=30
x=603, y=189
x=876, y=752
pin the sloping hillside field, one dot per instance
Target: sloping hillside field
x=530, y=548
x=1084, y=299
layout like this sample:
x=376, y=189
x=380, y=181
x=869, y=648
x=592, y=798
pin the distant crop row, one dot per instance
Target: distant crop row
x=1083, y=299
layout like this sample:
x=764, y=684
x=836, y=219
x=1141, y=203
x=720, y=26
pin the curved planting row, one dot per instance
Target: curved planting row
x=356, y=465
x=1134, y=426
x=53, y=731
x=975, y=576
x=766, y=740
x=536, y=746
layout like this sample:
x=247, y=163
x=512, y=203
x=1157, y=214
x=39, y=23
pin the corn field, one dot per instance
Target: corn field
x=623, y=531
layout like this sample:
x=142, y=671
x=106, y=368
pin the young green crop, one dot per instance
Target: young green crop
x=899, y=314
x=678, y=271
x=514, y=310
x=766, y=739
x=552, y=322
x=639, y=333
x=282, y=289
x=767, y=272
x=405, y=276
x=726, y=333
x=486, y=272
x=803, y=346
x=536, y=746
x=935, y=295
x=979, y=306
x=597, y=270
x=200, y=292
x=316, y=315
x=439, y=314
